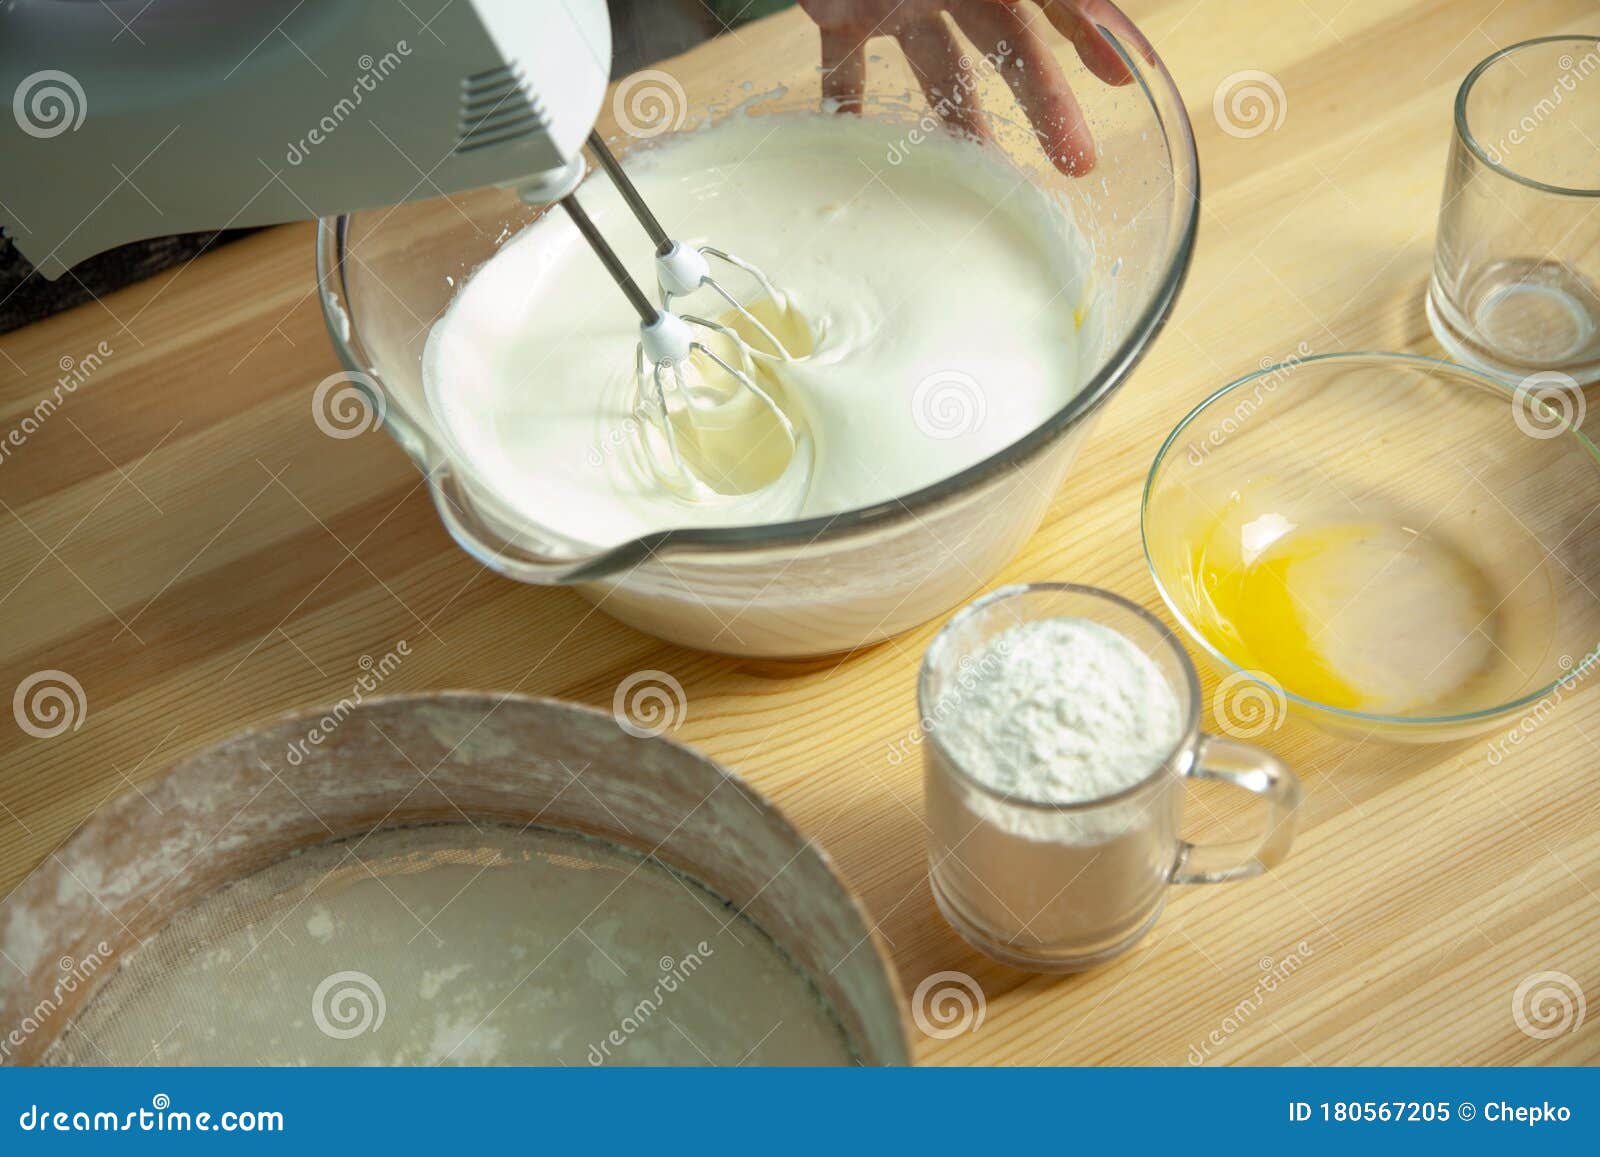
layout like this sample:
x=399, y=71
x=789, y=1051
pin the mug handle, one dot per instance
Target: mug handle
x=1246, y=766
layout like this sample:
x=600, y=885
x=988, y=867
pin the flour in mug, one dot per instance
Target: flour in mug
x=1076, y=712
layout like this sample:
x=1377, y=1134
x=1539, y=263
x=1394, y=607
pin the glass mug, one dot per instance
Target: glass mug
x=1058, y=887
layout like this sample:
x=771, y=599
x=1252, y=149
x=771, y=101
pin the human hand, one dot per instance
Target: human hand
x=1007, y=32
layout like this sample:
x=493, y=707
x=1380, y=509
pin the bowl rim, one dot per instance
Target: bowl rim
x=1474, y=145
x=1418, y=361
x=1171, y=118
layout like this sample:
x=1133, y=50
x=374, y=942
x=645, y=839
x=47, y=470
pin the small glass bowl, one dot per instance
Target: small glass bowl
x=1497, y=480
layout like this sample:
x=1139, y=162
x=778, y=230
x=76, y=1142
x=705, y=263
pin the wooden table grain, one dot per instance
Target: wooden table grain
x=178, y=537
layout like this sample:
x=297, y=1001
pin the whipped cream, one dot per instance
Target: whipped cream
x=945, y=294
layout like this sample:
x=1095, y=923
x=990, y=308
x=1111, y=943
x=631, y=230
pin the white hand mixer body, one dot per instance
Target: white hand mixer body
x=140, y=118
x=257, y=115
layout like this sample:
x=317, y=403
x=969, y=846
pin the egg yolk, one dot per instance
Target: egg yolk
x=1360, y=616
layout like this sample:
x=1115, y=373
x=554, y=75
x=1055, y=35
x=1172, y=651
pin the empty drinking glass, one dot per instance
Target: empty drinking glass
x=1517, y=256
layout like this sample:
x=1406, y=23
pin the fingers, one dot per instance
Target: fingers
x=844, y=68
x=1000, y=32
x=1076, y=20
x=945, y=75
x=1102, y=13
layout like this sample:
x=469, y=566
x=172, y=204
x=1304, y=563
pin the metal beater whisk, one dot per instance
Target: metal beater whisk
x=667, y=340
x=682, y=269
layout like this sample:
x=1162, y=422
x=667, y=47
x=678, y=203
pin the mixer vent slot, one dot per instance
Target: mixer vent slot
x=497, y=106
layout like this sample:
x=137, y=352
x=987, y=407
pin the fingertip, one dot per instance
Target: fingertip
x=1072, y=150
x=844, y=68
x=1081, y=24
x=1101, y=57
x=1065, y=134
x=1077, y=161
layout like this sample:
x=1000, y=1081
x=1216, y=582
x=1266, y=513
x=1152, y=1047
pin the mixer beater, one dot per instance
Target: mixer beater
x=682, y=269
x=687, y=366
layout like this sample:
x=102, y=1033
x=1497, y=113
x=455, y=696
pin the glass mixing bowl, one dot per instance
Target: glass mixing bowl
x=817, y=585
x=1446, y=497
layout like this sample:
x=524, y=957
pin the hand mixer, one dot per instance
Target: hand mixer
x=136, y=118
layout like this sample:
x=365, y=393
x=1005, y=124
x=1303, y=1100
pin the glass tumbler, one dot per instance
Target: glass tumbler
x=1059, y=887
x=1517, y=256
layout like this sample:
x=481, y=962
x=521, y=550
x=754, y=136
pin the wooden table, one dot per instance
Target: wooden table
x=180, y=539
